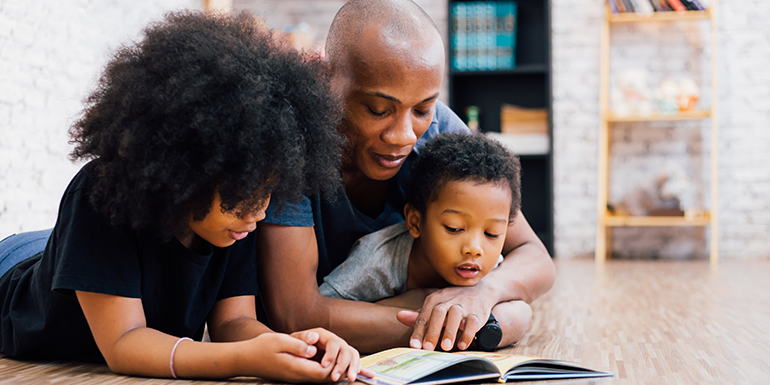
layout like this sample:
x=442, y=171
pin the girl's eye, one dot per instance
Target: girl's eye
x=493, y=236
x=375, y=113
x=421, y=113
x=452, y=229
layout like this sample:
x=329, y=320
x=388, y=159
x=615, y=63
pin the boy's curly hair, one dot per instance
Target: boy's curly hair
x=462, y=157
x=206, y=104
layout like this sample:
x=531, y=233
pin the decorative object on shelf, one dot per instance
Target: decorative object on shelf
x=689, y=93
x=472, y=118
x=673, y=97
x=633, y=95
x=483, y=35
x=668, y=193
x=666, y=97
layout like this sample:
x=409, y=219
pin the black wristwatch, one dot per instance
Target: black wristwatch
x=490, y=335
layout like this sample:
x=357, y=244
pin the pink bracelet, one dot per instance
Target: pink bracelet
x=173, y=350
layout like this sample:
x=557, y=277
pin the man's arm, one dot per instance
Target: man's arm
x=526, y=273
x=287, y=264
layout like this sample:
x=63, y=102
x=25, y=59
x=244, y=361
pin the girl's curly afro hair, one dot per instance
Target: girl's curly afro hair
x=462, y=157
x=206, y=104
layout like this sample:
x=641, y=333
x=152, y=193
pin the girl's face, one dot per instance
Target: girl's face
x=462, y=232
x=223, y=228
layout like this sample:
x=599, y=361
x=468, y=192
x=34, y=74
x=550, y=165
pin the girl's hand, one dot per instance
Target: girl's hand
x=338, y=355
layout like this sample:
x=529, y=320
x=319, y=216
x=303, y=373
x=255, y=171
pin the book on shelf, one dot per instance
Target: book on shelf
x=619, y=5
x=483, y=35
x=402, y=366
x=628, y=6
x=693, y=5
x=677, y=5
x=642, y=7
x=521, y=120
x=646, y=7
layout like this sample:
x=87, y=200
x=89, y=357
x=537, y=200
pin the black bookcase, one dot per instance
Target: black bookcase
x=528, y=84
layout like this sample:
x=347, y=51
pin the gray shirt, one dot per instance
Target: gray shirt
x=376, y=268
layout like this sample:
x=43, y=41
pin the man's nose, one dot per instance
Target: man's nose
x=401, y=133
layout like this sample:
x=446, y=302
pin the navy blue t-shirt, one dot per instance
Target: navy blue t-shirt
x=338, y=224
x=40, y=317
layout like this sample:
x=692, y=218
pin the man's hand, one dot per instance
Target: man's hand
x=514, y=318
x=452, y=309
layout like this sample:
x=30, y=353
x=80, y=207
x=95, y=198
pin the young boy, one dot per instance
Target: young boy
x=463, y=193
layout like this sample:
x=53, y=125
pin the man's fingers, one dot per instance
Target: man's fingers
x=407, y=317
x=454, y=316
x=472, y=325
x=436, y=323
x=420, y=326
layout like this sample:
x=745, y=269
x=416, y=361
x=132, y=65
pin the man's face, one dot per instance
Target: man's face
x=389, y=91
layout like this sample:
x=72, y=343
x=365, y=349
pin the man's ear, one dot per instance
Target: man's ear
x=413, y=220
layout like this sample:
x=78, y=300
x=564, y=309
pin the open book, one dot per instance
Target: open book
x=412, y=366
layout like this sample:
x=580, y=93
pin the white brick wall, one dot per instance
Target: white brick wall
x=51, y=52
x=639, y=150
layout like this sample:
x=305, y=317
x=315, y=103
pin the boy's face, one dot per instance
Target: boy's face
x=462, y=232
x=223, y=228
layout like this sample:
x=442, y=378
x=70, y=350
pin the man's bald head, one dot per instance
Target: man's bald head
x=398, y=21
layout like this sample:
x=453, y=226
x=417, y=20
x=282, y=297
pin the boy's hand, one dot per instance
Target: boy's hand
x=339, y=357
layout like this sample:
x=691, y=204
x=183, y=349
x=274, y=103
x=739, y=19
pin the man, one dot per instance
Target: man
x=387, y=60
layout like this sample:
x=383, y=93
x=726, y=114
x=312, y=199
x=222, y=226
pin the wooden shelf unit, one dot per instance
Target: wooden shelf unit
x=606, y=220
x=686, y=115
x=623, y=220
x=631, y=17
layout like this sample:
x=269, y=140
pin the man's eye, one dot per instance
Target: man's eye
x=375, y=113
x=452, y=229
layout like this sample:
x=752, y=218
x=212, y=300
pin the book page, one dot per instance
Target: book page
x=405, y=365
x=504, y=362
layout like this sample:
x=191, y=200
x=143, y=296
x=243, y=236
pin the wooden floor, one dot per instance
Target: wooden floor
x=651, y=322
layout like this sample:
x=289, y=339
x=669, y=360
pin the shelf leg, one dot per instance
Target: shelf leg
x=601, y=243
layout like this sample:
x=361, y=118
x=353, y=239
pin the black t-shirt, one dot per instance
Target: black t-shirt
x=41, y=318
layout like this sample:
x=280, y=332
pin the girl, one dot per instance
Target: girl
x=189, y=133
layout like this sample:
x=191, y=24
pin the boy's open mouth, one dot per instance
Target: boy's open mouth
x=467, y=270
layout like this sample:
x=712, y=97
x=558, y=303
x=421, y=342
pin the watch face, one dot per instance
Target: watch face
x=489, y=337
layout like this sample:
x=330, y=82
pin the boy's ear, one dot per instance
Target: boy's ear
x=413, y=220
